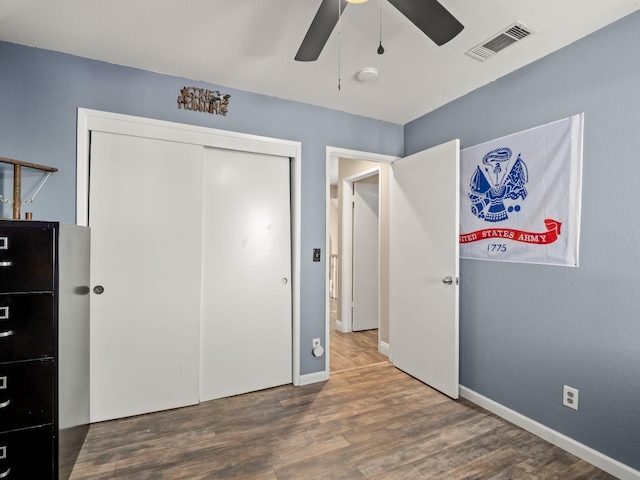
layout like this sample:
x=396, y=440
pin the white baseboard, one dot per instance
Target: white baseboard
x=341, y=327
x=588, y=454
x=310, y=378
x=383, y=348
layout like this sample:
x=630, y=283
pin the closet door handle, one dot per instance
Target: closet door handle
x=5, y=264
x=5, y=405
x=8, y=333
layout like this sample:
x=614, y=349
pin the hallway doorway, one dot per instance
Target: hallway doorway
x=353, y=345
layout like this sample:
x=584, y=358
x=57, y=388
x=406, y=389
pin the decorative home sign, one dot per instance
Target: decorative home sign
x=202, y=100
x=520, y=196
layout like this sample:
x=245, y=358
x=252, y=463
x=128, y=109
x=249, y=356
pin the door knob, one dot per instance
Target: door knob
x=98, y=289
x=447, y=280
x=285, y=281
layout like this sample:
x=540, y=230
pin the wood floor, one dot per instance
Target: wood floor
x=366, y=422
x=352, y=350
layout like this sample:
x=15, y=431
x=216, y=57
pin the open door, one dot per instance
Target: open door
x=423, y=303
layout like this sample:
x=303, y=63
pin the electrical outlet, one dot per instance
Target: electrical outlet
x=316, y=342
x=570, y=397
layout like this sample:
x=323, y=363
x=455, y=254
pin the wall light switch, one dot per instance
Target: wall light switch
x=316, y=254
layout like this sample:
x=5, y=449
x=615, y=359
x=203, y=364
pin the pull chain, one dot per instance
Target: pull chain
x=339, y=39
x=380, y=47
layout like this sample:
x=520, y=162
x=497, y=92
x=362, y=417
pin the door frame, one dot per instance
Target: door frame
x=346, y=248
x=334, y=154
x=107, y=122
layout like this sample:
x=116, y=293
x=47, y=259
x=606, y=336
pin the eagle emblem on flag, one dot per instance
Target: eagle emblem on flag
x=498, y=182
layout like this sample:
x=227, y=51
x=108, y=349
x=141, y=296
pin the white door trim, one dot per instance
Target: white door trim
x=334, y=153
x=346, y=248
x=94, y=120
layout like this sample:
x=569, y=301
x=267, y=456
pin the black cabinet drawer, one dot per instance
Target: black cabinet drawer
x=26, y=327
x=26, y=259
x=27, y=454
x=26, y=394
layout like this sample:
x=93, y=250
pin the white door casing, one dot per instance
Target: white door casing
x=366, y=256
x=146, y=256
x=246, y=274
x=346, y=262
x=423, y=252
x=333, y=154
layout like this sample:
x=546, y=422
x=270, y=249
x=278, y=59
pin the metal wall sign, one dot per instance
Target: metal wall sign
x=203, y=100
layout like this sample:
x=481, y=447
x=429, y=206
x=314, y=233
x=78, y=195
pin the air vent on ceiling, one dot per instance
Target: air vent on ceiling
x=500, y=41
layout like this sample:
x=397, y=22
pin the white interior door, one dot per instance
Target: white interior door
x=246, y=333
x=423, y=305
x=145, y=213
x=366, y=256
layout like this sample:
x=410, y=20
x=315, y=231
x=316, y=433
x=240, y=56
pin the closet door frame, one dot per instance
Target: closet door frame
x=95, y=120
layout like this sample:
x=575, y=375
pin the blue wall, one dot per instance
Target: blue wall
x=555, y=325
x=40, y=92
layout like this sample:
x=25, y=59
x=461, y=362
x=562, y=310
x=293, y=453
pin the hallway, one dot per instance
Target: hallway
x=352, y=350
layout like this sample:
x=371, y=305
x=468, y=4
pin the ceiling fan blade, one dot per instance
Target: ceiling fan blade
x=323, y=24
x=431, y=17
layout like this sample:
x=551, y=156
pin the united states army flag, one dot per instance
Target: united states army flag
x=520, y=196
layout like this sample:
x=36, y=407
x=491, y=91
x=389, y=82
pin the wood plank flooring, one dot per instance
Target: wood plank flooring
x=374, y=422
x=354, y=349
x=370, y=422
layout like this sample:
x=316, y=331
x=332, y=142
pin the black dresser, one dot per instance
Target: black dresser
x=44, y=348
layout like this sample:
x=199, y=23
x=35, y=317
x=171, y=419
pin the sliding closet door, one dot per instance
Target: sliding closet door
x=145, y=215
x=246, y=332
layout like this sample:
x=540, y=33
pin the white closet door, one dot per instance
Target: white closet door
x=145, y=214
x=246, y=331
x=366, y=255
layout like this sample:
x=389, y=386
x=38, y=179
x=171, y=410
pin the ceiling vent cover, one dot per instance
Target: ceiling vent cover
x=510, y=35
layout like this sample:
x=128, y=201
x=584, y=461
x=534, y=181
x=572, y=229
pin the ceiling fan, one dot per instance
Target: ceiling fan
x=428, y=15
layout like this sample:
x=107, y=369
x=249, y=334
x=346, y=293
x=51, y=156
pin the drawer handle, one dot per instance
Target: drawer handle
x=8, y=333
x=5, y=405
x=4, y=243
x=4, y=313
x=6, y=473
x=5, y=264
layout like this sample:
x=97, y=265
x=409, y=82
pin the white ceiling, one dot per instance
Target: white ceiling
x=251, y=44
